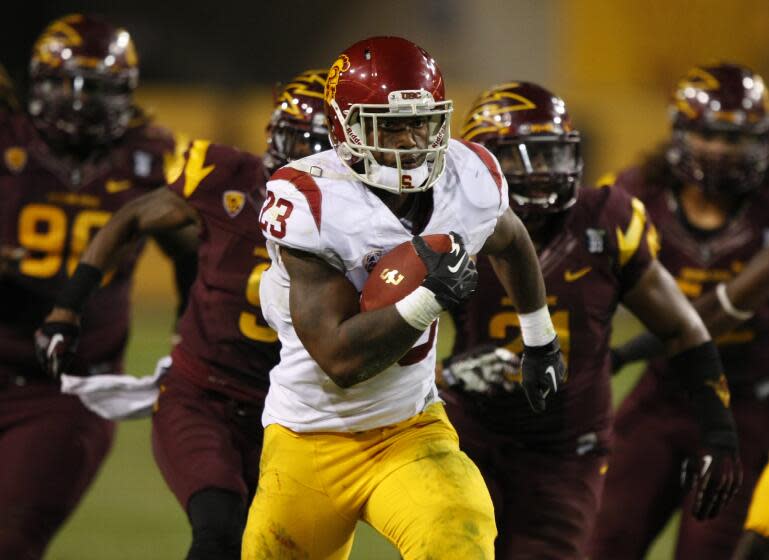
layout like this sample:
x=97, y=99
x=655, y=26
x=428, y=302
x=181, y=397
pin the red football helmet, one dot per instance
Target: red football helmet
x=298, y=126
x=83, y=73
x=724, y=102
x=529, y=131
x=385, y=82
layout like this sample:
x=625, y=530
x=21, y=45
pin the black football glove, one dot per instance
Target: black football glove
x=55, y=345
x=451, y=276
x=715, y=474
x=543, y=371
x=485, y=369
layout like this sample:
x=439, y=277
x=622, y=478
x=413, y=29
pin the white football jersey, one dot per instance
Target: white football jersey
x=316, y=205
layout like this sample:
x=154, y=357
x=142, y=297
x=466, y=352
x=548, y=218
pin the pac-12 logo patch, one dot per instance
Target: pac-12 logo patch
x=595, y=240
x=142, y=164
x=15, y=159
x=233, y=202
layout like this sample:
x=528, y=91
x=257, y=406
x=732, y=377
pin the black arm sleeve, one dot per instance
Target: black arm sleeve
x=185, y=271
x=642, y=347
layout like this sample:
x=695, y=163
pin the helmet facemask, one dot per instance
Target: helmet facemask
x=289, y=140
x=543, y=172
x=394, y=169
x=720, y=161
x=81, y=109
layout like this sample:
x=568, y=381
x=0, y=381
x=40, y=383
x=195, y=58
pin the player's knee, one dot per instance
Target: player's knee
x=460, y=532
x=217, y=518
x=752, y=546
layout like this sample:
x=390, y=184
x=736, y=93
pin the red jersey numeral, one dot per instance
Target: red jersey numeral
x=274, y=215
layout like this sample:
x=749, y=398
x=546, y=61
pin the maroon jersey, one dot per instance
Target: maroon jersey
x=226, y=343
x=599, y=252
x=699, y=262
x=51, y=211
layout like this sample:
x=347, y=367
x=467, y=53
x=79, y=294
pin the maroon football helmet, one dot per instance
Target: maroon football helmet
x=723, y=102
x=529, y=131
x=373, y=84
x=298, y=126
x=83, y=73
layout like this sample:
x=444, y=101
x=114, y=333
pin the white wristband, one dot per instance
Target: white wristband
x=420, y=308
x=536, y=327
x=726, y=304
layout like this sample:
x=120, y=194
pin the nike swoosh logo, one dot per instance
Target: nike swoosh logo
x=454, y=268
x=706, y=462
x=570, y=276
x=551, y=372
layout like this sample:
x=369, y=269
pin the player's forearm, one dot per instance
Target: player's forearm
x=738, y=299
x=518, y=270
x=101, y=253
x=672, y=322
x=112, y=240
x=364, y=345
x=160, y=213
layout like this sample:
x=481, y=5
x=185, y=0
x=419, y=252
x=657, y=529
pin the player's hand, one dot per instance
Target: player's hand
x=714, y=474
x=56, y=341
x=543, y=371
x=486, y=369
x=451, y=276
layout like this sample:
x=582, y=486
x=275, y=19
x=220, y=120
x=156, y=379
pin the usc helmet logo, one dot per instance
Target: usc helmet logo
x=341, y=64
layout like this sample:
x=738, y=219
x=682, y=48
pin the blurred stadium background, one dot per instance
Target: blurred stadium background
x=208, y=70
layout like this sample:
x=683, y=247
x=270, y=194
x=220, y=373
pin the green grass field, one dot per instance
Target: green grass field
x=129, y=514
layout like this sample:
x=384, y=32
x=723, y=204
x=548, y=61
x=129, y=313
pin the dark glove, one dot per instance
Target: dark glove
x=715, y=473
x=485, y=369
x=55, y=345
x=543, y=371
x=451, y=276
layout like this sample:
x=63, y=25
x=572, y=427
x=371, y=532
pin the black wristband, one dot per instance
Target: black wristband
x=85, y=280
x=703, y=378
x=538, y=351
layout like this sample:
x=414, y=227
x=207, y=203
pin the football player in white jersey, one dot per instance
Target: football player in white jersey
x=354, y=428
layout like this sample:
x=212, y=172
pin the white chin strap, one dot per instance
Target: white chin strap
x=391, y=179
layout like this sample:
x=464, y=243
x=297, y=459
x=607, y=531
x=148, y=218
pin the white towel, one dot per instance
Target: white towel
x=117, y=397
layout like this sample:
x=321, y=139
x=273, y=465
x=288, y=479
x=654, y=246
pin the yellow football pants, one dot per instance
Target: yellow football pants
x=409, y=481
x=758, y=513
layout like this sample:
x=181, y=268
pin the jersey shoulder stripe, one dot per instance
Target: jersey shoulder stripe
x=306, y=185
x=488, y=160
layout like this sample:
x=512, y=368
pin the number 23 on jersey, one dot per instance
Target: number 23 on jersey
x=274, y=215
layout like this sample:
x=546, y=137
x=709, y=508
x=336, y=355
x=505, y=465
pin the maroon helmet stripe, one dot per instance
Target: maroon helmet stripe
x=306, y=185
x=488, y=161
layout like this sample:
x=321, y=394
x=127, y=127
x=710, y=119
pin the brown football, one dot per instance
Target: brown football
x=398, y=273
